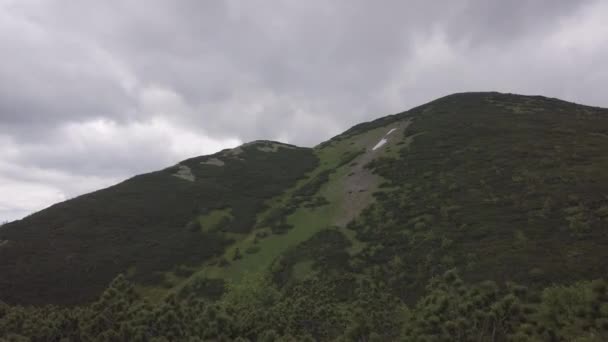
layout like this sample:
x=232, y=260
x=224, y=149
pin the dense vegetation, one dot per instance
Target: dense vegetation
x=320, y=309
x=503, y=187
x=488, y=222
x=69, y=252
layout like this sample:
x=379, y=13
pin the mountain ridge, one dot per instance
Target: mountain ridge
x=470, y=193
x=265, y=146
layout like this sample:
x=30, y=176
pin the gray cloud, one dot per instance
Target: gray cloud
x=92, y=92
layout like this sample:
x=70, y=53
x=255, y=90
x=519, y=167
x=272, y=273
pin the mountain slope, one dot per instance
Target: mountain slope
x=501, y=187
x=68, y=253
x=398, y=227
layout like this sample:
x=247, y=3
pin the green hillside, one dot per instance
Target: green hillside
x=475, y=217
x=145, y=226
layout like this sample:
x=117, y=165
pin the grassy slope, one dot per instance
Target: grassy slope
x=305, y=221
x=500, y=186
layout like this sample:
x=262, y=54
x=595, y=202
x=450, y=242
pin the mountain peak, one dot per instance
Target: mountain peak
x=462, y=197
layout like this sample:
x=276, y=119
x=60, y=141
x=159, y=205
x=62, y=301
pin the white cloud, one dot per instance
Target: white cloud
x=94, y=92
x=90, y=155
x=567, y=60
x=22, y=198
x=584, y=33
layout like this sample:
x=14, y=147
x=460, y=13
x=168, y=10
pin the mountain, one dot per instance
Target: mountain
x=485, y=206
x=68, y=253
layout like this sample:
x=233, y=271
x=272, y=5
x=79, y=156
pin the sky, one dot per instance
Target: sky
x=94, y=92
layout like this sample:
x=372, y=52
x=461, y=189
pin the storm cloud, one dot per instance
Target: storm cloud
x=92, y=92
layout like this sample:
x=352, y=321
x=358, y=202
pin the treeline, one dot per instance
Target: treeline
x=317, y=309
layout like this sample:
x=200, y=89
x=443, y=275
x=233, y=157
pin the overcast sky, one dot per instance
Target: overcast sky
x=92, y=92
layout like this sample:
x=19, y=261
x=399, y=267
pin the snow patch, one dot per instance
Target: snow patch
x=383, y=140
x=379, y=144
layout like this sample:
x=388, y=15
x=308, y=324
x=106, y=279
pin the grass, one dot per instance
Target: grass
x=306, y=222
x=356, y=245
x=210, y=222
